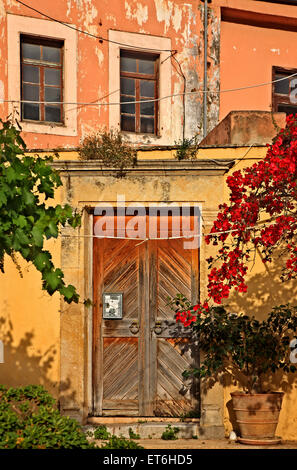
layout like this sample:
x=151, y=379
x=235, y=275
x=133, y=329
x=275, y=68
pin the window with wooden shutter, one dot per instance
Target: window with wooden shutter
x=282, y=91
x=139, y=83
x=42, y=79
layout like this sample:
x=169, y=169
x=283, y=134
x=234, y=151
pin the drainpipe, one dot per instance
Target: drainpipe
x=205, y=69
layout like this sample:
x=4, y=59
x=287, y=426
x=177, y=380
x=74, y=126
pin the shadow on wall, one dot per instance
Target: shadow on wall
x=265, y=291
x=24, y=366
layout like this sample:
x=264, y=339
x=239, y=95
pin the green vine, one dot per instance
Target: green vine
x=27, y=219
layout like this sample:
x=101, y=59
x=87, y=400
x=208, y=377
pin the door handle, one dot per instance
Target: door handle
x=157, y=328
x=134, y=327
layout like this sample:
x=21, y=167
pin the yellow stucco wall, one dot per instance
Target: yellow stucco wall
x=30, y=320
x=29, y=327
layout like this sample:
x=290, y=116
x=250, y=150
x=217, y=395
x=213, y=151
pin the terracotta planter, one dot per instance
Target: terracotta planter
x=257, y=414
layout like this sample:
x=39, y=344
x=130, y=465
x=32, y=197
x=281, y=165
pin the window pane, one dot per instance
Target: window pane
x=283, y=108
x=127, y=108
x=283, y=86
x=53, y=113
x=128, y=123
x=30, y=73
x=128, y=86
x=31, y=51
x=52, y=94
x=51, y=54
x=30, y=92
x=147, y=108
x=128, y=64
x=52, y=76
x=147, y=66
x=31, y=111
x=147, y=125
x=147, y=88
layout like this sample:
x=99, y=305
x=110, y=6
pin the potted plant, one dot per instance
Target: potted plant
x=250, y=352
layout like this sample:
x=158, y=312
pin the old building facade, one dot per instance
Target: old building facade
x=66, y=67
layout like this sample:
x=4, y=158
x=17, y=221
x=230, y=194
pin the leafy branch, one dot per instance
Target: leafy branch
x=26, y=218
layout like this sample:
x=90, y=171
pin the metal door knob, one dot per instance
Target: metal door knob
x=134, y=327
x=158, y=328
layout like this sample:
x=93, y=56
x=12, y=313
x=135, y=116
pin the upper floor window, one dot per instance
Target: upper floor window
x=139, y=82
x=282, y=91
x=42, y=79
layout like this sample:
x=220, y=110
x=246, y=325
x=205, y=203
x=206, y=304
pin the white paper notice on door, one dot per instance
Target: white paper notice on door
x=112, y=306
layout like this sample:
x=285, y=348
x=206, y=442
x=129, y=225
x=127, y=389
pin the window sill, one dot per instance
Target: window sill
x=43, y=123
x=141, y=134
x=44, y=127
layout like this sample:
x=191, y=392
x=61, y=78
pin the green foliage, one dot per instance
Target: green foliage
x=115, y=442
x=26, y=217
x=190, y=414
x=170, y=433
x=111, y=149
x=179, y=303
x=29, y=419
x=101, y=432
x=243, y=347
x=187, y=149
x=133, y=435
x=121, y=442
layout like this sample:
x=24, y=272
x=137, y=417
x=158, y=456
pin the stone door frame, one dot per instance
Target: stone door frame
x=76, y=261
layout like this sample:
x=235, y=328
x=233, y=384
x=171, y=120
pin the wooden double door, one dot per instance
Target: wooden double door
x=138, y=360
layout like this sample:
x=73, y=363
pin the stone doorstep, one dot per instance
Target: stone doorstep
x=152, y=429
x=139, y=420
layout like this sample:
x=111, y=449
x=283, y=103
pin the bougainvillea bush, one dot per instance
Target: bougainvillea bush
x=30, y=419
x=261, y=215
x=240, y=347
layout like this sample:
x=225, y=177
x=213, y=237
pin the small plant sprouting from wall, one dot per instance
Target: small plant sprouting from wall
x=133, y=435
x=187, y=148
x=110, y=148
x=170, y=433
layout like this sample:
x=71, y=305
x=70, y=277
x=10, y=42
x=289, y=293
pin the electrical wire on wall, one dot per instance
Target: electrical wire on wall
x=174, y=60
x=195, y=92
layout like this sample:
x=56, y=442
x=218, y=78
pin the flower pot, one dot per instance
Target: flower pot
x=257, y=414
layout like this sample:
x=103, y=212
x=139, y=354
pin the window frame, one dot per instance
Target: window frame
x=43, y=41
x=138, y=77
x=18, y=25
x=278, y=98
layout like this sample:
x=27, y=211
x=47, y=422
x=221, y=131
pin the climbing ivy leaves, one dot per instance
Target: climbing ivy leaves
x=27, y=219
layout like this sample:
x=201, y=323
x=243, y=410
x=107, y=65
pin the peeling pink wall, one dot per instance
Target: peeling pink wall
x=176, y=20
x=238, y=55
x=248, y=53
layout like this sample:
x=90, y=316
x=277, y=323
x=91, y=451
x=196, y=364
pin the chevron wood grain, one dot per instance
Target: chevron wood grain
x=140, y=373
x=174, y=395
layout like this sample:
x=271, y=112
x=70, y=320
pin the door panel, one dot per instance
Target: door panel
x=176, y=271
x=173, y=396
x=116, y=347
x=120, y=376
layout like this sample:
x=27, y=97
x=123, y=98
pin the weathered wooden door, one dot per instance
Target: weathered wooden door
x=173, y=270
x=138, y=360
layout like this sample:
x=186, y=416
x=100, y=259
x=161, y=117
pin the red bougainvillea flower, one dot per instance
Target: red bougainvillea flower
x=261, y=214
x=190, y=316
